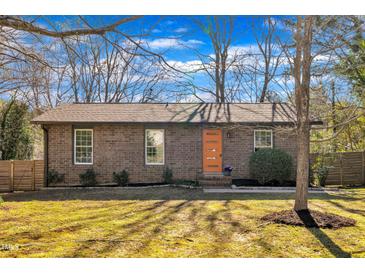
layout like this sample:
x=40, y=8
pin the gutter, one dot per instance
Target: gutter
x=45, y=140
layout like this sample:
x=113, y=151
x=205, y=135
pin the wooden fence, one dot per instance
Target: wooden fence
x=346, y=168
x=21, y=175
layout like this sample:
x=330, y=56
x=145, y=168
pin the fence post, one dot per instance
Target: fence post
x=33, y=176
x=11, y=186
x=341, y=170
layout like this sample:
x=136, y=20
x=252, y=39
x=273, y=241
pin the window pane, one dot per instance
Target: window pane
x=159, y=154
x=154, y=137
x=83, y=146
x=151, y=151
x=154, y=146
x=263, y=138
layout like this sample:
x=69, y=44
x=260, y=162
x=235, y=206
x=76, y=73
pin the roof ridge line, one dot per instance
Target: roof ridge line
x=174, y=103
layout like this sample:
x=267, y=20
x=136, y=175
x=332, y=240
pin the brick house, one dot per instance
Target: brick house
x=193, y=139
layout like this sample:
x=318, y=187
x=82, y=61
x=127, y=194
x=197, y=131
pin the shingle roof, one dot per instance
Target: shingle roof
x=168, y=113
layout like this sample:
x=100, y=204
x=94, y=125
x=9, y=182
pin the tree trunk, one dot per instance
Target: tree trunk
x=302, y=69
x=217, y=78
x=301, y=201
x=264, y=88
x=333, y=110
x=223, y=78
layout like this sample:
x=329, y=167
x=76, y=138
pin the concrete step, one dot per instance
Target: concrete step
x=214, y=180
x=213, y=176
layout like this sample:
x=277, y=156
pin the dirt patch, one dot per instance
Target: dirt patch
x=309, y=218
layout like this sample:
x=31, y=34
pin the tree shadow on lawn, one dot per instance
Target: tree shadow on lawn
x=160, y=229
x=156, y=231
x=325, y=240
x=360, y=212
x=161, y=193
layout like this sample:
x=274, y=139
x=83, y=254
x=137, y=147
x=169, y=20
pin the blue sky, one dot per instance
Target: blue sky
x=170, y=34
x=178, y=39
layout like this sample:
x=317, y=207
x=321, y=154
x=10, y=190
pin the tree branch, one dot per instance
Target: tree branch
x=19, y=24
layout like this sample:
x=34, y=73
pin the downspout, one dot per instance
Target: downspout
x=45, y=142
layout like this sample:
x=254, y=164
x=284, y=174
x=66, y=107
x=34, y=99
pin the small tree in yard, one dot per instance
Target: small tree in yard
x=301, y=69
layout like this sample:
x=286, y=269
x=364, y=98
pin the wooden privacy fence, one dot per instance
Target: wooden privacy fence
x=21, y=175
x=346, y=168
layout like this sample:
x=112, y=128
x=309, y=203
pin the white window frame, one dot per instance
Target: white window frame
x=145, y=147
x=262, y=130
x=92, y=146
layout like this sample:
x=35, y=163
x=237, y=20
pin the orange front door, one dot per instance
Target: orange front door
x=212, y=150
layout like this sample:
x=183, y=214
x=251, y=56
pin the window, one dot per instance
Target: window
x=83, y=146
x=155, y=146
x=263, y=139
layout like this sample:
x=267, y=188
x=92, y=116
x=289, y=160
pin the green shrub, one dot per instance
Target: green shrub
x=167, y=175
x=322, y=174
x=320, y=168
x=88, y=178
x=54, y=177
x=121, y=178
x=270, y=165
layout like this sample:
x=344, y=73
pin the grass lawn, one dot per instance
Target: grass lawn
x=170, y=222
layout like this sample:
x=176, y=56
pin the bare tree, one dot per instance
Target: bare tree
x=48, y=66
x=100, y=72
x=256, y=66
x=270, y=53
x=220, y=30
x=317, y=42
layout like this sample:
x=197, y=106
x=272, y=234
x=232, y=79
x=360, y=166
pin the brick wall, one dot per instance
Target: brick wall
x=118, y=147
x=238, y=145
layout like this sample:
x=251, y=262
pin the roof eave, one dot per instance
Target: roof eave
x=159, y=122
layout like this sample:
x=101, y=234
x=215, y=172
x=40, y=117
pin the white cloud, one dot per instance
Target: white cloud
x=196, y=65
x=169, y=22
x=181, y=30
x=193, y=42
x=322, y=58
x=186, y=66
x=204, y=96
x=156, y=31
x=165, y=43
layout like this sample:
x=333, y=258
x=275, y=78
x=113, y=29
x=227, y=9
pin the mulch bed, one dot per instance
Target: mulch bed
x=309, y=218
